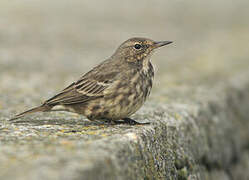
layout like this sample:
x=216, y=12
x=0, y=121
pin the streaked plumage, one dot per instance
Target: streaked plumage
x=113, y=90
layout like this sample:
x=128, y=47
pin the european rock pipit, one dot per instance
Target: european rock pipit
x=113, y=90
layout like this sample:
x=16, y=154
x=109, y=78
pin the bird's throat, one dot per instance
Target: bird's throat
x=146, y=64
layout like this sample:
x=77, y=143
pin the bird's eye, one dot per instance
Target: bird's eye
x=137, y=46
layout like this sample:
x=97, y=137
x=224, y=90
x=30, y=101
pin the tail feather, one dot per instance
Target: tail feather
x=33, y=110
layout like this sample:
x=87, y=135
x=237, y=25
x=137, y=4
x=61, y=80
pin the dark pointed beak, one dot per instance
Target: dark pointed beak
x=162, y=43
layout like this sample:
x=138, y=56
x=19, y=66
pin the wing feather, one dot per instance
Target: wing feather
x=90, y=86
x=84, y=90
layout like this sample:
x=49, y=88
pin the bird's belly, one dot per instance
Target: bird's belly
x=121, y=104
x=124, y=107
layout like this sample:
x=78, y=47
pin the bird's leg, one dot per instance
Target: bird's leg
x=133, y=122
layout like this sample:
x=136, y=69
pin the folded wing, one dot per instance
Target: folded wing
x=84, y=90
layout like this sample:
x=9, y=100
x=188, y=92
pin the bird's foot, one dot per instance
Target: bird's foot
x=133, y=122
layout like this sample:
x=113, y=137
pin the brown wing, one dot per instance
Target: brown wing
x=89, y=87
x=79, y=92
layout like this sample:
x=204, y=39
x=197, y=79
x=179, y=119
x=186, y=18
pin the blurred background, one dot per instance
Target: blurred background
x=45, y=45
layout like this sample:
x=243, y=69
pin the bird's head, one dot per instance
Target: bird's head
x=136, y=49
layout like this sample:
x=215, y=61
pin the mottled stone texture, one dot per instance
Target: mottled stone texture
x=198, y=107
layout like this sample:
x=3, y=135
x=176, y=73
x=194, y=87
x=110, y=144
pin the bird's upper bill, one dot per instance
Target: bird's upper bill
x=158, y=44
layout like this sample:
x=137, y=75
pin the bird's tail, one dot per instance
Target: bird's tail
x=41, y=108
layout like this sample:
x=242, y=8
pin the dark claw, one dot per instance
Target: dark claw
x=133, y=122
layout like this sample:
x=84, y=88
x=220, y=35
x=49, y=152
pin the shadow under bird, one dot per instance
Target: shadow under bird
x=113, y=90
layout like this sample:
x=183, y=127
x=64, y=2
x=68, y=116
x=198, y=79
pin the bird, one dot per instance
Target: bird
x=113, y=90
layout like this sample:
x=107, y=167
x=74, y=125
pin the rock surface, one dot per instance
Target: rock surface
x=198, y=108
